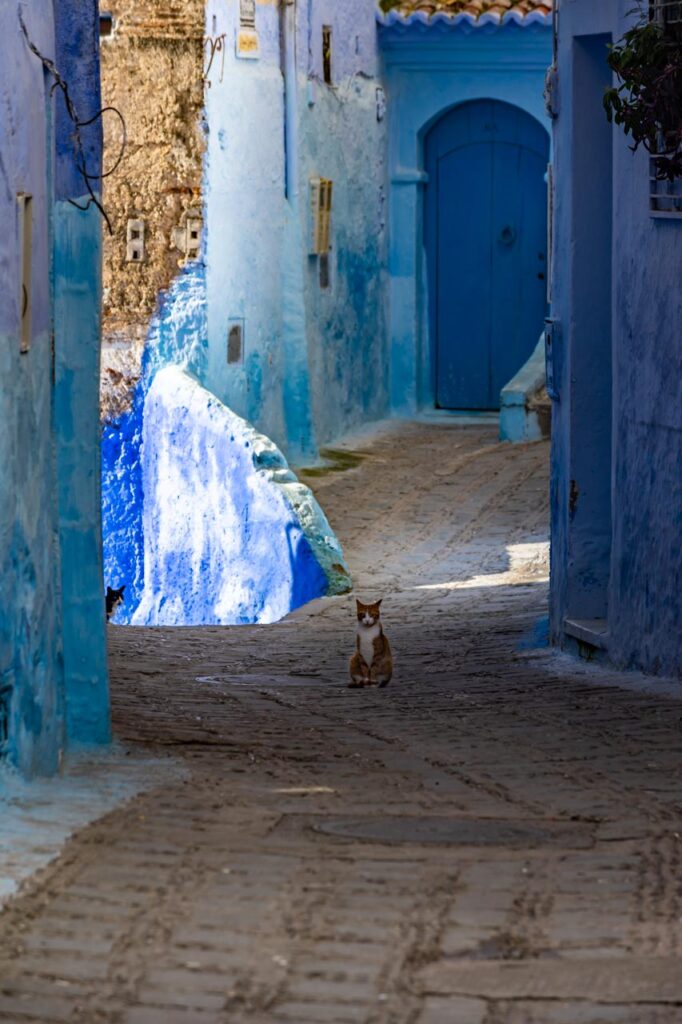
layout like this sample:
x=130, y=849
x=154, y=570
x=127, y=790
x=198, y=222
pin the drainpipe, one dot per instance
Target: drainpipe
x=290, y=99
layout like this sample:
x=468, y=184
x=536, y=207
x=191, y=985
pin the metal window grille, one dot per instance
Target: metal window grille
x=665, y=197
x=321, y=193
x=668, y=13
x=5, y=697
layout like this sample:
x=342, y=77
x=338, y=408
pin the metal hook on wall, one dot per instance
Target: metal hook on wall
x=216, y=45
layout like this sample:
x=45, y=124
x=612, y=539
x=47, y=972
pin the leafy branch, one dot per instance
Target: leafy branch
x=647, y=102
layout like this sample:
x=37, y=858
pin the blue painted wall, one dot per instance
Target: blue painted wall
x=222, y=543
x=30, y=606
x=617, y=429
x=51, y=632
x=77, y=331
x=227, y=557
x=429, y=68
x=315, y=360
x=177, y=337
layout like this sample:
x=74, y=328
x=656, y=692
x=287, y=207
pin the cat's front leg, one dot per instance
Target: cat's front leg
x=359, y=671
x=381, y=671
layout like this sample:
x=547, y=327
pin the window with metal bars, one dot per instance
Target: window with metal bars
x=665, y=196
x=668, y=13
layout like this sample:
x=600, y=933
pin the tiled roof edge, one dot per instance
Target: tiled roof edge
x=463, y=21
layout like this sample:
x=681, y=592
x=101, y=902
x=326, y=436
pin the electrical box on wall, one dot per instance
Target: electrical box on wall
x=321, y=193
x=135, y=251
x=25, y=211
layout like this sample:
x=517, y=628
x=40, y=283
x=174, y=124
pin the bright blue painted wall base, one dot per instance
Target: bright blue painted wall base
x=254, y=546
x=77, y=284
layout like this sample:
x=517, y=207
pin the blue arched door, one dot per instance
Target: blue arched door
x=486, y=246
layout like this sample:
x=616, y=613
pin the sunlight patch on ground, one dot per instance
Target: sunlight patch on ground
x=528, y=563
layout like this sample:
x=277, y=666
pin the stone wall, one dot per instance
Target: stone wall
x=152, y=72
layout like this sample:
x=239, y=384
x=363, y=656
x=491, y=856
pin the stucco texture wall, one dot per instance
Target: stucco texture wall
x=178, y=441
x=31, y=672
x=645, y=598
x=223, y=545
x=315, y=361
x=152, y=72
x=638, y=450
x=77, y=266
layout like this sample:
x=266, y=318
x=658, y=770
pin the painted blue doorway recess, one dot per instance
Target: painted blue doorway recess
x=486, y=247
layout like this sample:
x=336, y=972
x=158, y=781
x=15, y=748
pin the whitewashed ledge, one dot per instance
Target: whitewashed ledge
x=524, y=407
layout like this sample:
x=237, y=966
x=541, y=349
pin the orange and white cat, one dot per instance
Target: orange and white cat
x=372, y=663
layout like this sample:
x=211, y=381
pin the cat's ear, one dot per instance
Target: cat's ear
x=379, y=603
x=109, y=591
x=359, y=604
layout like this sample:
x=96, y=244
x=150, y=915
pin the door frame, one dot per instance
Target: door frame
x=427, y=284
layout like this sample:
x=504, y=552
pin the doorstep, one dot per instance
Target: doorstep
x=594, y=632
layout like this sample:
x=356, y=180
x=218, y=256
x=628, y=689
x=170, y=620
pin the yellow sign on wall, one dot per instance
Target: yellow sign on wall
x=247, y=44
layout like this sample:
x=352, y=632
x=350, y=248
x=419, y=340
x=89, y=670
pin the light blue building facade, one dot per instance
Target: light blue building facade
x=281, y=116
x=53, y=681
x=468, y=148
x=617, y=371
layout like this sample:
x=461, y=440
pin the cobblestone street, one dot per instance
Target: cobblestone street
x=493, y=839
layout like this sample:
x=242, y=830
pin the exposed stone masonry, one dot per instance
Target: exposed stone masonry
x=152, y=71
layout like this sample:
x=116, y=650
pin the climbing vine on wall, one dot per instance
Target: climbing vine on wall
x=647, y=101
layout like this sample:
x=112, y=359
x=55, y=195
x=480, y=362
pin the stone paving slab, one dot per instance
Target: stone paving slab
x=212, y=898
x=636, y=980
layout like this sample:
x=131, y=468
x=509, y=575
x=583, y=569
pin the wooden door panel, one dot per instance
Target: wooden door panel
x=485, y=237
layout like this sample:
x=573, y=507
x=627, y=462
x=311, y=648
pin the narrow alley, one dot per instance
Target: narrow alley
x=494, y=839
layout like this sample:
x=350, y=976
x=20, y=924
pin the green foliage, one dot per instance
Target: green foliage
x=647, y=102
x=388, y=5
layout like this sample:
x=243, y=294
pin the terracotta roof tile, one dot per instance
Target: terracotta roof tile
x=474, y=8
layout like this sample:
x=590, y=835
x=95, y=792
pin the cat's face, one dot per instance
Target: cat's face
x=114, y=599
x=368, y=614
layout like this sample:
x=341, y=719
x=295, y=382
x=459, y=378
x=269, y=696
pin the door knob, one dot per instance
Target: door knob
x=508, y=234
